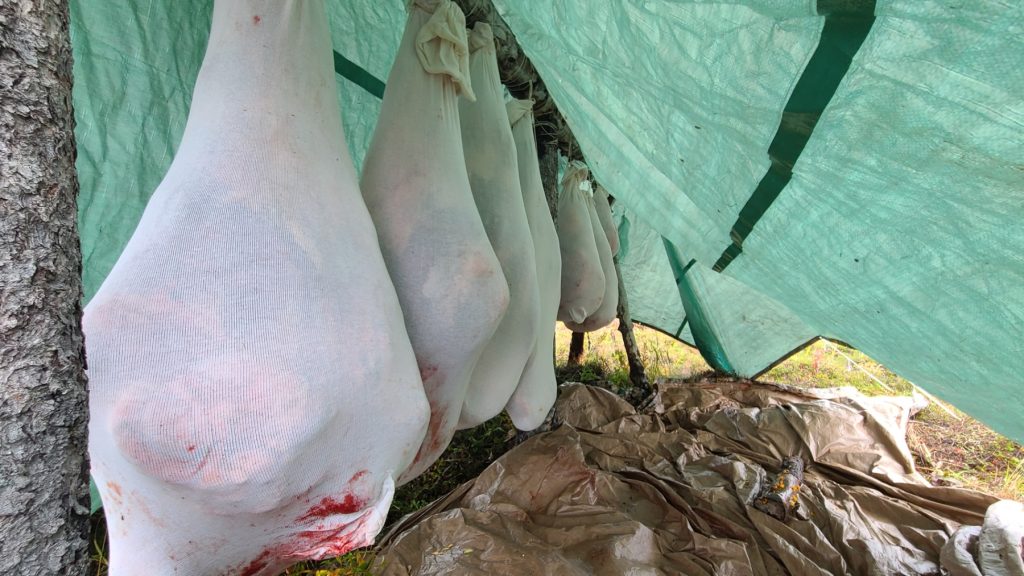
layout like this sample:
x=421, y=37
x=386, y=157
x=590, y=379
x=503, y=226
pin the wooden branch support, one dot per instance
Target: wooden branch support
x=637, y=374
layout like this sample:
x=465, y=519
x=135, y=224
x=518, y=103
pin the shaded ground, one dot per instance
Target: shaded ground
x=950, y=447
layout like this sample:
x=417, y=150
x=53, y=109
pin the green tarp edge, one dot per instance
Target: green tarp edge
x=704, y=337
x=846, y=26
x=357, y=75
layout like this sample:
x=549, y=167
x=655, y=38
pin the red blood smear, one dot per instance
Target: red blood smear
x=256, y=20
x=433, y=439
x=191, y=448
x=114, y=488
x=329, y=506
x=427, y=372
x=256, y=565
x=358, y=475
x=321, y=545
x=311, y=545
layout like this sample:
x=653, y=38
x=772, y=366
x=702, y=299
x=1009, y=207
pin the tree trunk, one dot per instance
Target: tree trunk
x=44, y=485
x=637, y=374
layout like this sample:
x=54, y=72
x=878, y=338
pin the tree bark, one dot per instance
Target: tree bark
x=637, y=374
x=44, y=486
x=549, y=177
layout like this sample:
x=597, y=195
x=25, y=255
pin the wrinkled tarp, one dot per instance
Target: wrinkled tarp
x=667, y=490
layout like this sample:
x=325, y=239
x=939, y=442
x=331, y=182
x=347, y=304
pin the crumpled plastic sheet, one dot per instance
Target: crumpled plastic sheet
x=668, y=490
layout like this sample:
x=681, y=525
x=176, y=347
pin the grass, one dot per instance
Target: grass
x=605, y=361
x=950, y=447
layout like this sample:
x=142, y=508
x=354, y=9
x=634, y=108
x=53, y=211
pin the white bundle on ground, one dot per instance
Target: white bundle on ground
x=606, y=312
x=494, y=179
x=252, y=386
x=996, y=548
x=583, y=283
x=535, y=394
x=449, y=282
x=604, y=213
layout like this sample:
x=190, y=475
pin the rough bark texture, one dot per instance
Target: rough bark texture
x=637, y=374
x=44, y=488
x=549, y=177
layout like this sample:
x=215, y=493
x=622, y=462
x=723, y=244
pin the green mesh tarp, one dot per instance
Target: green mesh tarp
x=646, y=272
x=847, y=168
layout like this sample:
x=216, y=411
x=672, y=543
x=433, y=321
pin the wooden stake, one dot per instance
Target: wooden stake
x=637, y=374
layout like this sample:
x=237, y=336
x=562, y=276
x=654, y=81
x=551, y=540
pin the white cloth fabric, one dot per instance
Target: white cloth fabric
x=535, y=394
x=248, y=340
x=449, y=281
x=494, y=178
x=606, y=312
x=583, y=283
x=604, y=213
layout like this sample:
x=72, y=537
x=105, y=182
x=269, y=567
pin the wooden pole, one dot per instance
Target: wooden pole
x=637, y=374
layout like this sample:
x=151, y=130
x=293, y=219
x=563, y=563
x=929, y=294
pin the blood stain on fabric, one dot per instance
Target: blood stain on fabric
x=427, y=372
x=256, y=565
x=256, y=20
x=330, y=506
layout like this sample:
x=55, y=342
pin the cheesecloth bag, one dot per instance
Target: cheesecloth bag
x=494, y=179
x=606, y=312
x=449, y=282
x=604, y=214
x=996, y=548
x=246, y=347
x=535, y=394
x=583, y=283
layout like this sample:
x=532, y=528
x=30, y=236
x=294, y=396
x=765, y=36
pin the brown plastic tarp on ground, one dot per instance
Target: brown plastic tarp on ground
x=668, y=491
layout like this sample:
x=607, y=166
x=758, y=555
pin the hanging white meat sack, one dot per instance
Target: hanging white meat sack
x=253, y=391
x=583, y=283
x=535, y=394
x=449, y=281
x=604, y=214
x=494, y=178
x=606, y=312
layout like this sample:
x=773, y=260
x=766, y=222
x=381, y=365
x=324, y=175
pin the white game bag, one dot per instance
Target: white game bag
x=606, y=312
x=535, y=394
x=449, y=281
x=494, y=177
x=253, y=391
x=583, y=282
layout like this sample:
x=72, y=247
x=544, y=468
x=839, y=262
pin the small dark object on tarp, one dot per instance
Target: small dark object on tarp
x=781, y=497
